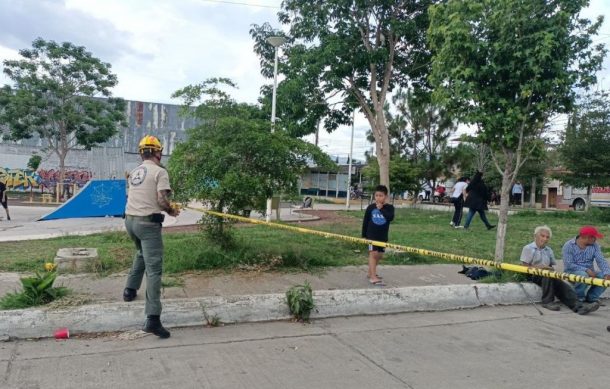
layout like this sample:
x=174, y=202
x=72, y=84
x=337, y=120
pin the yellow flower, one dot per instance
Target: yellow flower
x=49, y=266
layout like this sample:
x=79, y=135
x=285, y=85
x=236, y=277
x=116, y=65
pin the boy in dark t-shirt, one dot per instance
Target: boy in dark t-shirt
x=375, y=226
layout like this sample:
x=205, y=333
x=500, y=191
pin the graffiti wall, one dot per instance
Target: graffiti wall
x=26, y=180
x=19, y=179
x=50, y=178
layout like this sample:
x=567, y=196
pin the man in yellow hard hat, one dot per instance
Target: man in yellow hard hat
x=148, y=196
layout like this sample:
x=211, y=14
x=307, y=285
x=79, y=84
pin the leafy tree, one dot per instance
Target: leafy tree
x=422, y=130
x=232, y=160
x=404, y=175
x=585, y=144
x=347, y=54
x=34, y=162
x=56, y=95
x=506, y=66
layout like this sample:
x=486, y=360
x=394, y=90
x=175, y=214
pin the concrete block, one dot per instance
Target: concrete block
x=75, y=259
x=247, y=308
x=393, y=300
x=508, y=294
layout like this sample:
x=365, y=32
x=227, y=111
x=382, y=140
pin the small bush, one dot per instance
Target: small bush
x=300, y=301
x=214, y=321
x=218, y=230
x=37, y=290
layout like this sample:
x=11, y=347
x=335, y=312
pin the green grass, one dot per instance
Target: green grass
x=172, y=282
x=265, y=248
x=430, y=230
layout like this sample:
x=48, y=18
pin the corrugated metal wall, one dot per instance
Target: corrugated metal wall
x=119, y=154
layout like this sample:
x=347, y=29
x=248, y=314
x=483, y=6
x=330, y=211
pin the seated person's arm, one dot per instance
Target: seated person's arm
x=602, y=264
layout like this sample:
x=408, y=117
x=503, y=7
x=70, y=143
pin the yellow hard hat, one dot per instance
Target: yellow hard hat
x=150, y=142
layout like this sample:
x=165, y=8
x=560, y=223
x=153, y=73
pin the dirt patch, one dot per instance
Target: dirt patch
x=326, y=217
x=182, y=229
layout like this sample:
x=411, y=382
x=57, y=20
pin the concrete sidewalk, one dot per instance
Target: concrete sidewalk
x=24, y=224
x=251, y=296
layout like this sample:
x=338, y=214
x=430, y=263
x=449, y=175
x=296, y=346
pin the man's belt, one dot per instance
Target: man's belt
x=155, y=217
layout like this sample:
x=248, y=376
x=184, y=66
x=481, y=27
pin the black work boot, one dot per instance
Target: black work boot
x=153, y=326
x=129, y=294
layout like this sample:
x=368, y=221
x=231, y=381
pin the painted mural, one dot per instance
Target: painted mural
x=26, y=179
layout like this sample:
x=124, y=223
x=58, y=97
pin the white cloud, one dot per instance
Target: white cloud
x=157, y=47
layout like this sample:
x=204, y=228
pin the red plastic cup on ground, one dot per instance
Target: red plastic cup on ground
x=62, y=333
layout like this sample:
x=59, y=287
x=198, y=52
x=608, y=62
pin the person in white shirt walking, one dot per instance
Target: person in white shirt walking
x=457, y=198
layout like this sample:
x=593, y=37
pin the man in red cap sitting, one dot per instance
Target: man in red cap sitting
x=579, y=256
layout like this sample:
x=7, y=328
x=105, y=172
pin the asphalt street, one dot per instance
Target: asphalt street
x=497, y=347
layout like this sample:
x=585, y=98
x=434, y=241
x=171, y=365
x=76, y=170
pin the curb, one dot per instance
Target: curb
x=41, y=323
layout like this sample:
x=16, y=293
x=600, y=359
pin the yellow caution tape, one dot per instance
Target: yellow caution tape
x=430, y=253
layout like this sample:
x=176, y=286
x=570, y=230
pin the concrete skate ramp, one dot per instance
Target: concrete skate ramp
x=98, y=198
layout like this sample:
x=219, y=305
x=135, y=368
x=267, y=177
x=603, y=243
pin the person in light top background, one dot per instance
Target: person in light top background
x=457, y=198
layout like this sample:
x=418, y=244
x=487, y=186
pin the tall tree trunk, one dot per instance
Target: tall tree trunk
x=382, y=145
x=533, y=193
x=588, y=199
x=504, y=205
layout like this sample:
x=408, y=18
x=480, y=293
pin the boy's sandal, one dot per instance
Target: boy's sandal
x=378, y=276
x=377, y=283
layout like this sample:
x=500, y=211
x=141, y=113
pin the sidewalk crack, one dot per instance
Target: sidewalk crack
x=476, y=293
x=357, y=351
x=9, y=366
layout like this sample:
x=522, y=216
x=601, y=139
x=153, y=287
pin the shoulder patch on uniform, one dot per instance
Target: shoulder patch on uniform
x=137, y=176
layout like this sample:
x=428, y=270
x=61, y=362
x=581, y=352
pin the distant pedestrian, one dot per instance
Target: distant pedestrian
x=427, y=191
x=4, y=199
x=517, y=192
x=375, y=226
x=477, y=196
x=457, y=198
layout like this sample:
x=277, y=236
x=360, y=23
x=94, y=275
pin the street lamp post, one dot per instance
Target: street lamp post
x=276, y=42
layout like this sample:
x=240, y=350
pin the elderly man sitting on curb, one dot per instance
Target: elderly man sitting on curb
x=579, y=256
x=538, y=255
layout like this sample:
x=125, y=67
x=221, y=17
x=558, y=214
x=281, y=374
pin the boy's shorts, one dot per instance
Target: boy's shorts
x=377, y=248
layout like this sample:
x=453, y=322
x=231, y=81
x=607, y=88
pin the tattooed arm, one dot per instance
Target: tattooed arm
x=164, y=203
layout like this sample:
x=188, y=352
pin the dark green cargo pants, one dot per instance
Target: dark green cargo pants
x=147, y=237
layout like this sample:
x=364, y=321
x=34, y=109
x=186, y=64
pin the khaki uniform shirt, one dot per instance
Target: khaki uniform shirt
x=144, y=183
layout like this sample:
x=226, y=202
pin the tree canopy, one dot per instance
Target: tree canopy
x=585, y=146
x=348, y=54
x=62, y=93
x=506, y=66
x=232, y=159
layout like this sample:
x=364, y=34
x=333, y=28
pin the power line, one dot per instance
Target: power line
x=240, y=3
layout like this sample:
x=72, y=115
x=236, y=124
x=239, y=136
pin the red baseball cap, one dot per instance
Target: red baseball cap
x=590, y=231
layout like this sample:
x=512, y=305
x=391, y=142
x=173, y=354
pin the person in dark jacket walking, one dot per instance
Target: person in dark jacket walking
x=477, y=196
x=375, y=226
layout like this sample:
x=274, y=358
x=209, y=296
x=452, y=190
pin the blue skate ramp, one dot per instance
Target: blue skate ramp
x=98, y=198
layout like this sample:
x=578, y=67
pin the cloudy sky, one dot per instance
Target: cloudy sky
x=158, y=46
